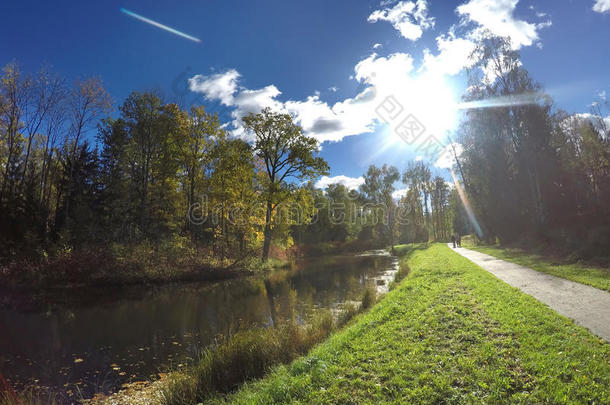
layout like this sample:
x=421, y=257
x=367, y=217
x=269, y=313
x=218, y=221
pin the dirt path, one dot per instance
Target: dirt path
x=587, y=306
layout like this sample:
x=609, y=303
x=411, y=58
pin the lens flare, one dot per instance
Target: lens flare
x=467, y=206
x=503, y=101
x=159, y=25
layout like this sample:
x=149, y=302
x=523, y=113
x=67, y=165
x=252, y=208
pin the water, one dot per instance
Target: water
x=95, y=340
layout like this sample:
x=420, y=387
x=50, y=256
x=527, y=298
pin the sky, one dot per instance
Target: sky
x=374, y=81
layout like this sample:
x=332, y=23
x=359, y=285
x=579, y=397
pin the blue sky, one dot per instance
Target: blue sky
x=316, y=59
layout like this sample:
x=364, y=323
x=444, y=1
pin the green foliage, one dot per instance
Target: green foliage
x=450, y=332
x=402, y=273
x=286, y=153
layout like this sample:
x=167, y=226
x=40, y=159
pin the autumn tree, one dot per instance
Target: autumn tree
x=287, y=155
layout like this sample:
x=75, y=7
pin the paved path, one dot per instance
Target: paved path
x=587, y=306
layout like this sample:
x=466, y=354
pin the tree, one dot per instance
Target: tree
x=88, y=101
x=233, y=196
x=204, y=131
x=417, y=178
x=114, y=137
x=378, y=188
x=287, y=154
x=439, y=201
x=507, y=147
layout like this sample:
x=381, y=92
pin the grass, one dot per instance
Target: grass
x=252, y=353
x=597, y=277
x=448, y=333
x=29, y=397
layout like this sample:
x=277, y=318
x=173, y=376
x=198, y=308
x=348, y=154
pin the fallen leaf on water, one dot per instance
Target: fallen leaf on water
x=79, y=360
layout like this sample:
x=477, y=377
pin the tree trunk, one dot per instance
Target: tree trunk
x=271, y=300
x=267, y=233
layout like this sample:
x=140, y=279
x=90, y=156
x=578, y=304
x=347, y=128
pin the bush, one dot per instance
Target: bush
x=247, y=355
x=369, y=298
x=349, y=311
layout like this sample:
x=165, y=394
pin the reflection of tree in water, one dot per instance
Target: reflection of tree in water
x=153, y=327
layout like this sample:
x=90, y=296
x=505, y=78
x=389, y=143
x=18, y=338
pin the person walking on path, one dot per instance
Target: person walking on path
x=459, y=240
x=453, y=239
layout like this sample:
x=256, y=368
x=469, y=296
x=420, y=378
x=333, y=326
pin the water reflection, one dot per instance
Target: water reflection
x=100, y=339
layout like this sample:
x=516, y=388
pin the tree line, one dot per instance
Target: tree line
x=533, y=173
x=144, y=174
x=157, y=173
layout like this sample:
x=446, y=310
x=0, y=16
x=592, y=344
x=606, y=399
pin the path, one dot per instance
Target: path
x=587, y=306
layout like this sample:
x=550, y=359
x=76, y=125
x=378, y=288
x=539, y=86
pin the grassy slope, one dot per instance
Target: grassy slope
x=594, y=276
x=449, y=333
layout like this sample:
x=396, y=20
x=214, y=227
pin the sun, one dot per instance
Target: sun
x=437, y=104
x=431, y=99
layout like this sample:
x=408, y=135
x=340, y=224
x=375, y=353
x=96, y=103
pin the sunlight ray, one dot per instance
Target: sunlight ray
x=467, y=206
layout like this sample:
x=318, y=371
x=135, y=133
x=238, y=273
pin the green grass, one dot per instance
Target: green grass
x=252, y=353
x=597, y=277
x=448, y=333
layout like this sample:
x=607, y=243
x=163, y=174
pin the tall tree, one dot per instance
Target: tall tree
x=378, y=188
x=287, y=154
x=88, y=102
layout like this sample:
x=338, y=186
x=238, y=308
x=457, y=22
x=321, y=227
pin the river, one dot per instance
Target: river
x=95, y=340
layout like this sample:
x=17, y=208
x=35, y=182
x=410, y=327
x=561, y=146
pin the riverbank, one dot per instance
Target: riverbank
x=134, y=265
x=555, y=265
x=449, y=332
x=110, y=337
x=128, y=265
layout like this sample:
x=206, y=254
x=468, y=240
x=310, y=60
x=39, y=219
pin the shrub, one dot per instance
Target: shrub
x=247, y=355
x=349, y=311
x=369, y=298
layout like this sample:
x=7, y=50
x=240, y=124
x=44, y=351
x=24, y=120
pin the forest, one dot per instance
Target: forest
x=152, y=185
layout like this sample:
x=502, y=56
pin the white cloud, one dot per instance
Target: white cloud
x=498, y=17
x=409, y=18
x=400, y=193
x=351, y=183
x=352, y=116
x=421, y=92
x=601, y=6
x=331, y=123
x=490, y=72
x=602, y=124
x=376, y=46
x=220, y=86
x=454, y=55
x=373, y=69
